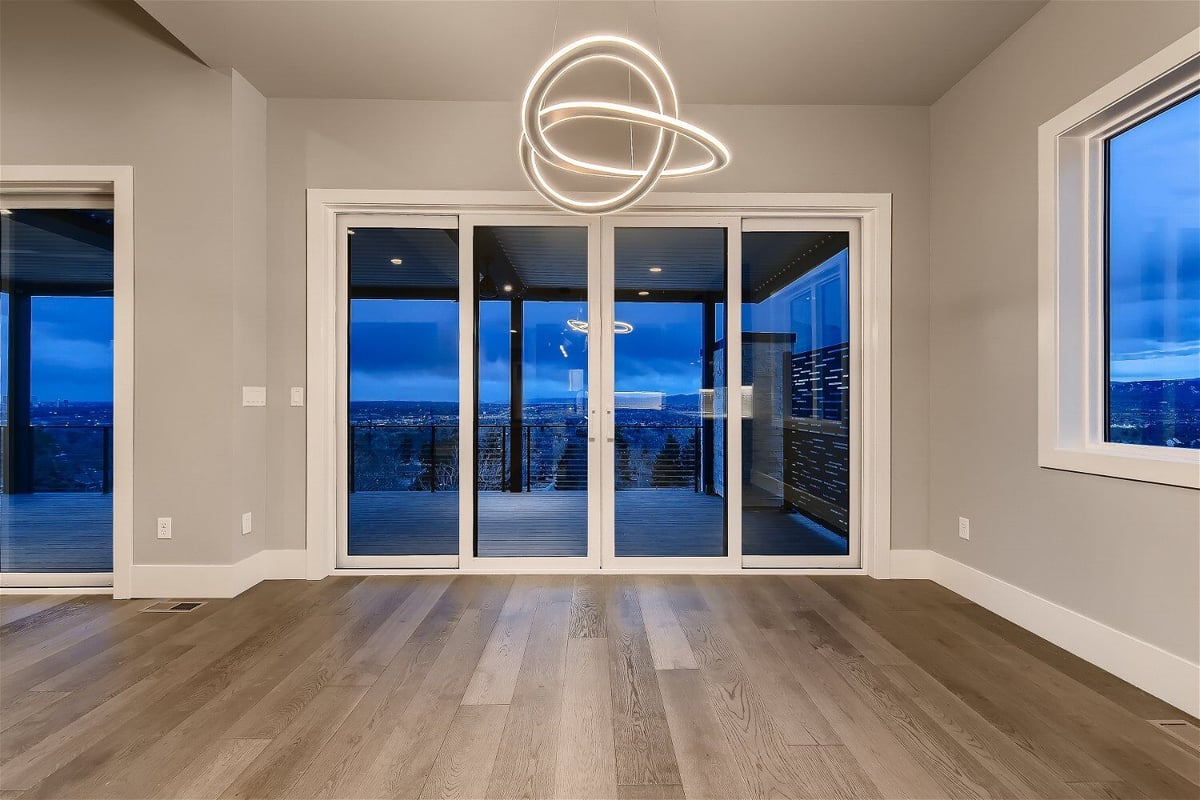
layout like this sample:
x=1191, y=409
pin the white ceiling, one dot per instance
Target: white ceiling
x=874, y=52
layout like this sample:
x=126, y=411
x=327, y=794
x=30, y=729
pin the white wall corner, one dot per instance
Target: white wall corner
x=912, y=563
x=284, y=564
x=1165, y=675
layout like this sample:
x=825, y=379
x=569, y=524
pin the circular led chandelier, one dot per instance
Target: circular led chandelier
x=537, y=118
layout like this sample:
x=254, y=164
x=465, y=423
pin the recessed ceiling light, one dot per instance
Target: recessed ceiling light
x=656, y=269
x=643, y=294
x=508, y=287
x=397, y=261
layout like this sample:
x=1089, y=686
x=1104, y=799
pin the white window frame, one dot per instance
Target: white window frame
x=1072, y=303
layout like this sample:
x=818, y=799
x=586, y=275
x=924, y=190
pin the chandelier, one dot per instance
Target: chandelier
x=537, y=119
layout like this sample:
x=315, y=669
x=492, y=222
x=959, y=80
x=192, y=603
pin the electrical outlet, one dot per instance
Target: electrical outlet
x=246, y=523
x=164, y=527
x=964, y=528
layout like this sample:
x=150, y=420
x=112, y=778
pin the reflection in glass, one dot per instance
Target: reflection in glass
x=56, y=376
x=1154, y=280
x=669, y=437
x=531, y=446
x=403, y=347
x=796, y=374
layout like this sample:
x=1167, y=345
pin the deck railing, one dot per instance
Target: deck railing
x=66, y=458
x=545, y=456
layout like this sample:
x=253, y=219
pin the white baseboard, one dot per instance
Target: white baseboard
x=1164, y=675
x=215, y=580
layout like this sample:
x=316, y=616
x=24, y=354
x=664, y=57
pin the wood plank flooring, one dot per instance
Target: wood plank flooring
x=578, y=687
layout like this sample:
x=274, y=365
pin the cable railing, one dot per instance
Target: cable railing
x=529, y=457
x=65, y=458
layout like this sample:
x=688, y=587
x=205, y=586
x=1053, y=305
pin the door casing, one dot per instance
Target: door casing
x=331, y=211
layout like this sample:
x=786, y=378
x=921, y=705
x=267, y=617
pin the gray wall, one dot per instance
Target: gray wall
x=1121, y=552
x=345, y=144
x=93, y=83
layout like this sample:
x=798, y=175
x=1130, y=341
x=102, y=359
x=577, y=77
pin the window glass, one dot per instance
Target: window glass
x=1153, y=286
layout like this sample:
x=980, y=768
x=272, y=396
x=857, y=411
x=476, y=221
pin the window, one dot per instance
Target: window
x=1153, y=280
x=1119, y=286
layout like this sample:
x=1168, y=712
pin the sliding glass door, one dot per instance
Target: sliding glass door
x=643, y=392
x=400, y=397
x=56, y=394
x=800, y=358
x=534, y=366
x=667, y=443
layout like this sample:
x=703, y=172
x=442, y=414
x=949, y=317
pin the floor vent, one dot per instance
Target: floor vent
x=1181, y=730
x=172, y=607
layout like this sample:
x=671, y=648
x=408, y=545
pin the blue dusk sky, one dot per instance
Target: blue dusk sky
x=71, y=355
x=407, y=349
x=1154, y=257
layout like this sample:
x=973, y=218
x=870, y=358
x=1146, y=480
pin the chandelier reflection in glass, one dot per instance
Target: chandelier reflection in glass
x=537, y=119
x=581, y=326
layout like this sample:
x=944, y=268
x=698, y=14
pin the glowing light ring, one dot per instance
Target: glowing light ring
x=537, y=119
x=581, y=326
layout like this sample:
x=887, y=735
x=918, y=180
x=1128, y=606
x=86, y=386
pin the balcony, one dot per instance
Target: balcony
x=532, y=499
x=64, y=523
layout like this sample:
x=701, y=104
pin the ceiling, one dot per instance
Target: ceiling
x=871, y=52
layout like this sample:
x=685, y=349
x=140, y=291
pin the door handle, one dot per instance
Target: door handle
x=612, y=427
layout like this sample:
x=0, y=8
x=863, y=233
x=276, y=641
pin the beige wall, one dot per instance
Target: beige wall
x=1122, y=552
x=89, y=83
x=344, y=144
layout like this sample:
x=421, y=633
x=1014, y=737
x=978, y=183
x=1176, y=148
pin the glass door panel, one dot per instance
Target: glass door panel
x=667, y=429
x=531, y=391
x=56, y=378
x=403, y=394
x=798, y=442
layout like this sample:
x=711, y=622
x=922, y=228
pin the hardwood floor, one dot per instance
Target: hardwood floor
x=551, y=686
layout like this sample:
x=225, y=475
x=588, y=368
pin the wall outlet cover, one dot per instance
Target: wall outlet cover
x=164, y=527
x=964, y=528
x=254, y=396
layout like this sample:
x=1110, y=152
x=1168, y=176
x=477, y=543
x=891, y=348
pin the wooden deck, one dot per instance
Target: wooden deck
x=650, y=522
x=551, y=686
x=56, y=532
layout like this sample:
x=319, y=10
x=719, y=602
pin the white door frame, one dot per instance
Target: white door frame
x=872, y=211
x=40, y=185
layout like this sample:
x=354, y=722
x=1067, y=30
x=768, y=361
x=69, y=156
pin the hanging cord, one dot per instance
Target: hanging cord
x=629, y=84
x=554, y=34
x=657, y=29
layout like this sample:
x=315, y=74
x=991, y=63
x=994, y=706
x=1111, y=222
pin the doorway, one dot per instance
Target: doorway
x=539, y=392
x=65, y=378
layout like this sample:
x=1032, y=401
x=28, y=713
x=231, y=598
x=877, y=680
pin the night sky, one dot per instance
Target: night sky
x=1154, y=262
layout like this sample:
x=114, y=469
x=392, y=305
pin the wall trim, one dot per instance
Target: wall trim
x=1165, y=675
x=216, y=580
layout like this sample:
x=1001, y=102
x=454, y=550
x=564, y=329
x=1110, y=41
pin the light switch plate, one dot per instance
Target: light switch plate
x=247, y=523
x=254, y=395
x=297, y=395
x=964, y=528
